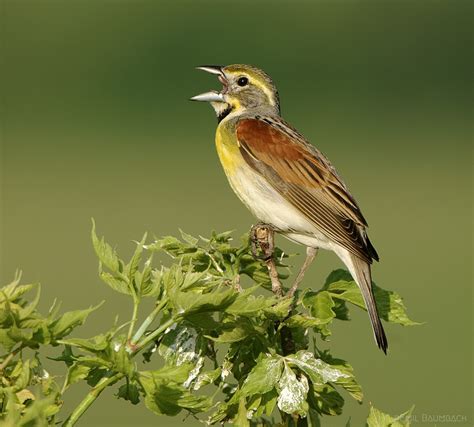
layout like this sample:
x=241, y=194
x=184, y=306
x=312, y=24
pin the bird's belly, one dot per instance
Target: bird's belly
x=272, y=208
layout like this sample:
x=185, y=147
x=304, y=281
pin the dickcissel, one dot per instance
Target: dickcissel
x=284, y=180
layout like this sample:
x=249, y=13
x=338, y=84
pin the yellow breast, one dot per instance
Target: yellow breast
x=228, y=150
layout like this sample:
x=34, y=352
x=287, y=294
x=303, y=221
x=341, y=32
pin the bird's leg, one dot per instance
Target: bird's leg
x=263, y=236
x=310, y=255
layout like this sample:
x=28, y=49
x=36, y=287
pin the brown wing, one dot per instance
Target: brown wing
x=306, y=179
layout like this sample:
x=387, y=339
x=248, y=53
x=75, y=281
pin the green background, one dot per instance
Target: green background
x=96, y=123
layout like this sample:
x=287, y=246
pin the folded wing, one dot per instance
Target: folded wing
x=306, y=179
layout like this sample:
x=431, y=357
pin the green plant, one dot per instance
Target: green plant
x=217, y=344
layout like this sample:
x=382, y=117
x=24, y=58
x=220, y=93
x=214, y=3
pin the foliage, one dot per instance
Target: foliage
x=212, y=345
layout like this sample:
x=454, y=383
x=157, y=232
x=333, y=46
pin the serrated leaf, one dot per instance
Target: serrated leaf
x=233, y=332
x=321, y=305
x=319, y=372
x=178, y=374
x=28, y=310
x=206, y=378
x=76, y=373
x=132, y=267
x=117, y=283
x=95, y=375
x=7, y=341
x=348, y=382
x=22, y=375
x=93, y=345
x=13, y=291
x=121, y=359
x=180, y=345
x=292, y=392
x=169, y=398
x=389, y=304
x=325, y=399
x=188, y=238
x=263, y=377
x=246, y=304
x=61, y=326
x=203, y=321
x=194, y=302
x=129, y=391
x=303, y=321
x=379, y=419
x=279, y=310
x=106, y=253
x=150, y=280
x=241, y=419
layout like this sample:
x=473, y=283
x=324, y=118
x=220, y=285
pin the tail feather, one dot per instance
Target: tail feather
x=360, y=271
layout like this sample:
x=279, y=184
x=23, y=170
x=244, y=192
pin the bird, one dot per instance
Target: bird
x=285, y=181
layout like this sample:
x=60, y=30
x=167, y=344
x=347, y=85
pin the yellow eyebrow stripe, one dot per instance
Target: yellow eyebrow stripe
x=265, y=89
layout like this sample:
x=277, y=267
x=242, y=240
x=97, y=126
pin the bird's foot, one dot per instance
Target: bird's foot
x=310, y=255
x=262, y=236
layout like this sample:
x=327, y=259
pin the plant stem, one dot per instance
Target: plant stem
x=91, y=397
x=136, y=303
x=149, y=338
x=147, y=322
x=106, y=382
x=9, y=357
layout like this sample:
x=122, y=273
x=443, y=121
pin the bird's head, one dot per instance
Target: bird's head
x=244, y=88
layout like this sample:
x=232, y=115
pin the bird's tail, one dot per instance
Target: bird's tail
x=360, y=271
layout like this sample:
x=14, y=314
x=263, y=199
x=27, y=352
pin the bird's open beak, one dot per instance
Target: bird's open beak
x=213, y=95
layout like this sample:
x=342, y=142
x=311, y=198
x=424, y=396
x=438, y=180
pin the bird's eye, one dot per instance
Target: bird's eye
x=242, y=81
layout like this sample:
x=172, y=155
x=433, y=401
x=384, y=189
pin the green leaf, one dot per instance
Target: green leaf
x=28, y=310
x=95, y=375
x=292, y=392
x=180, y=345
x=263, y=377
x=319, y=372
x=7, y=340
x=121, y=359
x=129, y=391
x=241, y=419
x=105, y=253
x=150, y=280
x=234, y=332
x=166, y=398
x=193, y=302
x=389, y=304
x=132, y=267
x=117, y=283
x=93, y=345
x=246, y=304
x=325, y=399
x=379, y=419
x=321, y=305
x=303, y=321
x=13, y=291
x=188, y=238
x=22, y=375
x=76, y=373
x=206, y=378
x=63, y=325
x=280, y=310
x=348, y=382
x=203, y=321
x=178, y=374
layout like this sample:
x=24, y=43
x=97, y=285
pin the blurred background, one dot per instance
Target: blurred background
x=96, y=123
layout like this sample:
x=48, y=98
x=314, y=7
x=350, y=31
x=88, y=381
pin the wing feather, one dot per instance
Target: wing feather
x=306, y=179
